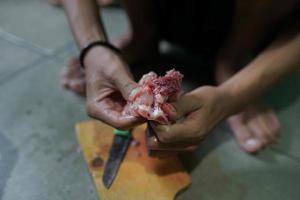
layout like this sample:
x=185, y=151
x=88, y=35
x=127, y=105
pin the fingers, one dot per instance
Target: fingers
x=110, y=108
x=184, y=131
x=154, y=144
x=185, y=104
x=161, y=154
x=127, y=88
x=125, y=84
x=108, y=113
x=166, y=149
x=187, y=126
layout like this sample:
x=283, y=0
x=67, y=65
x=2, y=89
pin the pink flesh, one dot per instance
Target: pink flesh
x=150, y=100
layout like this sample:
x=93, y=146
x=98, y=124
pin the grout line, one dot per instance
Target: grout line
x=16, y=73
x=44, y=58
x=65, y=47
x=20, y=42
x=44, y=52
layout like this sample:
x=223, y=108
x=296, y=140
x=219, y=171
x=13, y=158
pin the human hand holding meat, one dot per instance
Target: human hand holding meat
x=176, y=122
x=196, y=113
x=109, y=84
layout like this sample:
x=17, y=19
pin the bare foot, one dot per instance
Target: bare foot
x=138, y=47
x=256, y=126
x=100, y=2
x=73, y=77
x=106, y=2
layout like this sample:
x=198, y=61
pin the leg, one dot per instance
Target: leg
x=141, y=42
x=71, y=77
x=256, y=126
x=54, y=2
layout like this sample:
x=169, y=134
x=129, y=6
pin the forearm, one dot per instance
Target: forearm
x=84, y=20
x=281, y=58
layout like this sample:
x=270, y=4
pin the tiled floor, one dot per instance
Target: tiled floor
x=38, y=149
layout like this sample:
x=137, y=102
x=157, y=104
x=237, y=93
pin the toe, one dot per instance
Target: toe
x=64, y=72
x=273, y=123
x=259, y=131
x=271, y=130
x=77, y=86
x=73, y=68
x=72, y=77
x=264, y=128
x=73, y=62
x=244, y=135
x=252, y=145
x=64, y=82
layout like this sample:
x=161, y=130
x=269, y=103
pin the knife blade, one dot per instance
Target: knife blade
x=117, y=152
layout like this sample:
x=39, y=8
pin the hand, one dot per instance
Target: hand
x=109, y=84
x=196, y=114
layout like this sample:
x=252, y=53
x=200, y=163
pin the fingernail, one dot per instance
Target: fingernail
x=251, y=144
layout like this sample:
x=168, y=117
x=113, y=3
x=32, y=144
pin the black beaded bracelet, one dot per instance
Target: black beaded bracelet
x=86, y=49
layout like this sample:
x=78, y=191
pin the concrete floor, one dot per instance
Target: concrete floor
x=39, y=156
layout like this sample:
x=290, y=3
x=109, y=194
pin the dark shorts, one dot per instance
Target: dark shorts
x=198, y=25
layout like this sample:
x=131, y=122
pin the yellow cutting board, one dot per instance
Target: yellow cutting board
x=140, y=177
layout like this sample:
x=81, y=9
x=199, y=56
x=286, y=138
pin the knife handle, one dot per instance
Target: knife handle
x=122, y=132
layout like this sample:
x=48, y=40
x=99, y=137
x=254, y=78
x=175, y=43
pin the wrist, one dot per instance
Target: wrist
x=101, y=57
x=231, y=101
x=92, y=45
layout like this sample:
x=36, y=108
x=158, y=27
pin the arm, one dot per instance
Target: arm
x=85, y=21
x=108, y=78
x=279, y=59
x=203, y=108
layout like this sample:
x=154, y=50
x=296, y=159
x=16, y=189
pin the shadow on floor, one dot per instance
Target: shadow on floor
x=285, y=92
x=220, y=135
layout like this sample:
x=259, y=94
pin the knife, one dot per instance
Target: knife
x=117, y=152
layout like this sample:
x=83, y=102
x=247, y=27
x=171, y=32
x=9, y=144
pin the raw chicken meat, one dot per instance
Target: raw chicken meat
x=150, y=100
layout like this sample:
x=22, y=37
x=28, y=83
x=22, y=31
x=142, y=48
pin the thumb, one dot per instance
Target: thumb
x=184, y=105
x=126, y=85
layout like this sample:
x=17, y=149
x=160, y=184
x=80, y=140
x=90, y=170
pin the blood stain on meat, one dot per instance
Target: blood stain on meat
x=151, y=99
